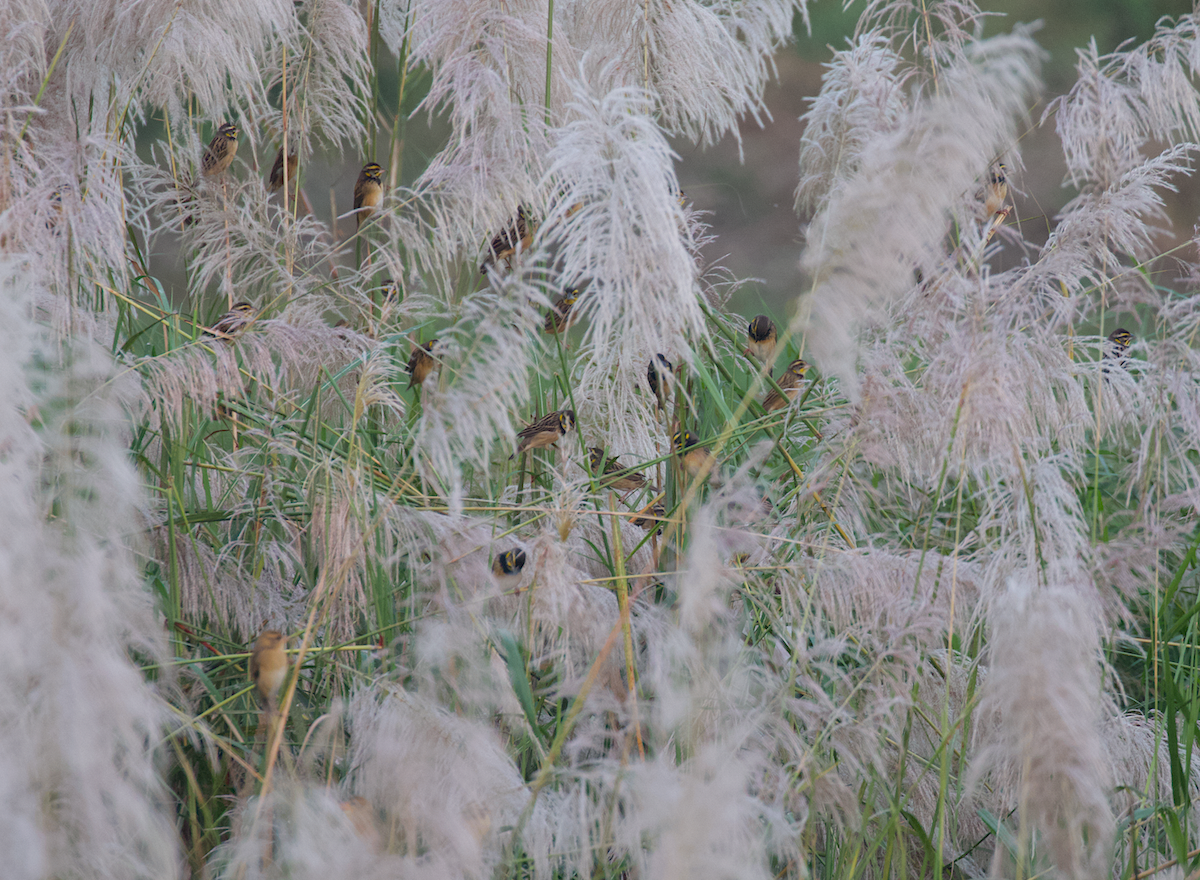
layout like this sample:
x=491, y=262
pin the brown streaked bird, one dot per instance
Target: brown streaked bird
x=659, y=377
x=368, y=191
x=545, y=431
x=762, y=336
x=610, y=472
x=650, y=517
x=1114, y=349
x=559, y=316
x=790, y=383
x=518, y=234
x=219, y=153
x=682, y=198
x=56, y=205
x=1118, y=343
x=692, y=456
x=231, y=324
x=421, y=363
x=275, y=178
x=995, y=191
x=269, y=664
x=507, y=568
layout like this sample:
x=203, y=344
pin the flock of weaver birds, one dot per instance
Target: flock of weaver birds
x=268, y=658
x=268, y=661
x=510, y=241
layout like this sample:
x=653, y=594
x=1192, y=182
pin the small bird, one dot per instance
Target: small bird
x=692, y=456
x=368, y=191
x=275, y=178
x=518, y=234
x=790, y=383
x=219, y=153
x=659, y=376
x=391, y=290
x=546, y=431
x=1118, y=343
x=269, y=664
x=56, y=205
x=231, y=324
x=1115, y=346
x=650, y=517
x=507, y=568
x=421, y=363
x=559, y=315
x=996, y=189
x=609, y=469
x=762, y=336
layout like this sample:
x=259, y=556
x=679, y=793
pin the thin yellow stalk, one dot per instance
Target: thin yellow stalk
x=626, y=627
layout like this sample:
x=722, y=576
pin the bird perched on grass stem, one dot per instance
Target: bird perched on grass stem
x=1115, y=346
x=368, y=191
x=659, y=376
x=517, y=235
x=1118, y=343
x=650, y=517
x=275, y=178
x=610, y=472
x=545, y=431
x=268, y=665
x=231, y=324
x=790, y=383
x=762, y=336
x=219, y=153
x=559, y=316
x=56, y=205
x=692, y=456
x=507, y=568
x=995, y=191
x=217, y=157
x=421, y=364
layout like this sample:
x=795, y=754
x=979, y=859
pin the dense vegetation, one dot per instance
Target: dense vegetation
x=925, y=608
